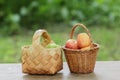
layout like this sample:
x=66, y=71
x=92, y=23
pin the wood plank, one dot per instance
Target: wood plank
x=104, y=70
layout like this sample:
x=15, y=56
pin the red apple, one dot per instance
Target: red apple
x=83, y=40
x=71, y=44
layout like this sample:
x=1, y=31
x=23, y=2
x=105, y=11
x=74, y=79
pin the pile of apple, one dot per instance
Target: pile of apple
x=83, y=42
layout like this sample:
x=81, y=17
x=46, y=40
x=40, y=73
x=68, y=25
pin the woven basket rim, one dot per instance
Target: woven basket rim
x=78, y=50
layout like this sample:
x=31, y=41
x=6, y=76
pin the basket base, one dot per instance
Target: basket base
x=82, y=72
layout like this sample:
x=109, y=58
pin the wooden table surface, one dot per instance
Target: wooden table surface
x=104, y=70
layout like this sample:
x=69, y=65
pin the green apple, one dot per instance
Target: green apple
x=52, y=45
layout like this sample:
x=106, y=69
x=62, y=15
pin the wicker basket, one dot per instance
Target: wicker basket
x=81, y=61
x=37, y=59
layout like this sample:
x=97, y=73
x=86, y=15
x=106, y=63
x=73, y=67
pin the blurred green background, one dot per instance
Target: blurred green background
x=20, y=19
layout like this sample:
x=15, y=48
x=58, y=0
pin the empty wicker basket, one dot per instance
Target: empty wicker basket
x=81, y=61
x=37, y=59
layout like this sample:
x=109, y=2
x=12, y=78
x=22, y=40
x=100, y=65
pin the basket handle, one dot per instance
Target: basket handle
x=83, y=26
x=37, y=35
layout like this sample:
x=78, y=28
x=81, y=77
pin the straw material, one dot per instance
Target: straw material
x=81, y=61
x=37, y=59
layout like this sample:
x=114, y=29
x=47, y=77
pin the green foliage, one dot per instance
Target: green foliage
x=32, y=14
x=25, y=16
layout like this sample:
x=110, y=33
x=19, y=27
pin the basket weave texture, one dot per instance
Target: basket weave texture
x=37, y=59
x=81, y=61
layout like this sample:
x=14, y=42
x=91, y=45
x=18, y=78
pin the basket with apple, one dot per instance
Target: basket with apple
x=42, y=57
x=81, y=53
